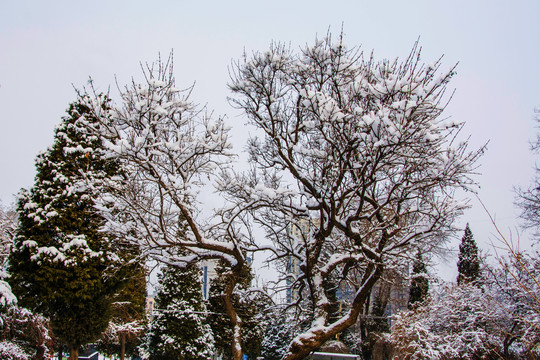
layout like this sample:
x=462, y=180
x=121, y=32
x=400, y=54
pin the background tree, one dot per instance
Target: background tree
x=8, y=224
x=62, y=265
x=529, y=199
x=361, y=146
x=250, y=307
x=178, y=330
x=126, y=328
x=375, y=322
x=419, y=289
x=468, y=261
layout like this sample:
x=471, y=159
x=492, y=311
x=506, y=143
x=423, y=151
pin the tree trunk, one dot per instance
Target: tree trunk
x=40, y=353
x=233, y=316
x=122, y=345
x=74, y=353
x=302, y=346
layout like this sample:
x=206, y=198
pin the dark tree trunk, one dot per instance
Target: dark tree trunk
x=122, y=346
x=74, y=353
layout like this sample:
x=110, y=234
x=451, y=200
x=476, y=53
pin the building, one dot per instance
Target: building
x=208, y=270
x=296, y=231
x=150, y=304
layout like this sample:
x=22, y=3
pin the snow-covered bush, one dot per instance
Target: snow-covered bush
x=24, y=333
x=500, y=319
x=11, y=351
x=462, y=323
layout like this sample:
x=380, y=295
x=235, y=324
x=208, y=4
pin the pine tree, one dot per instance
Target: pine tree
x=178, y=331
x=419, y=289
x=62, y=265
x=468, y=262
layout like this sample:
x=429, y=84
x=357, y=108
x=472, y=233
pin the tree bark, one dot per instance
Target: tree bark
x=122, y=345
x=40, y=353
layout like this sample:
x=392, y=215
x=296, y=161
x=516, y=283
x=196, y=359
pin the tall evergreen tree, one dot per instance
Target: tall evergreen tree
x=62, y=265
x=419, y=283
x=178, y=330
x=468, y=262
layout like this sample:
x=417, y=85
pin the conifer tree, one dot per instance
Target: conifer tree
x=279, y=333
x=178, y=331
x=468, y=262
x=62, y=265
x=419, y=283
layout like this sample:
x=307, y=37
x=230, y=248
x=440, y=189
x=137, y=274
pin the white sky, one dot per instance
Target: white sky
x=46, y=48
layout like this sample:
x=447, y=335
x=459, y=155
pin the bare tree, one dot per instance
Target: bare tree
x=359, y=149
x=354, y=148
x=167, y=149
x=529, y=199
x=8, y=223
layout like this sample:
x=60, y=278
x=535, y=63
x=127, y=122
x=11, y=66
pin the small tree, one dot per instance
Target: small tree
x=250, y=307
x=178, y=330
x=279, y=333
x=128, y=321
x=419, y=289
x=468, y=262
x=529, y=199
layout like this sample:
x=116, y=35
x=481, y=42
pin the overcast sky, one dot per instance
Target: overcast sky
x=48, y=48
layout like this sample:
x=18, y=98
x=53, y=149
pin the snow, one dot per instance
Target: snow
x=6, y=296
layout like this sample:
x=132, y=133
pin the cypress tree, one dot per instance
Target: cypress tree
x=178, y=331
x=62, y=265
x=419, y=283
x=468, y=262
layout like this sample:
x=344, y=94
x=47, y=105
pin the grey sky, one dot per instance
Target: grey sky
x=46, y=48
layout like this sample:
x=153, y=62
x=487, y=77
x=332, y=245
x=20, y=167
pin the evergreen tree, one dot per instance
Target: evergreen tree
x=468, y=262
x=62, y=265
x=419, y=283
x=178, y=331
x=249, y=307
x=279, y=333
